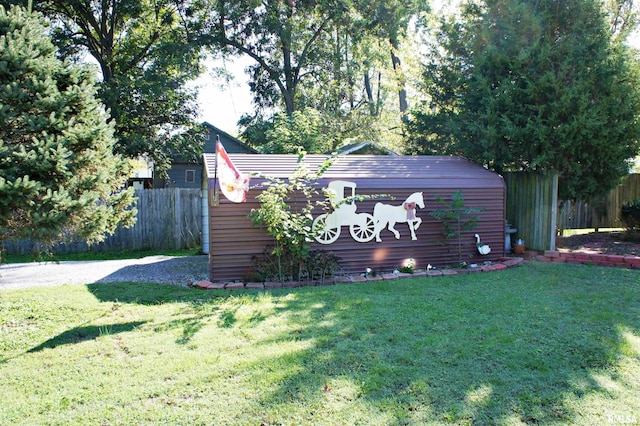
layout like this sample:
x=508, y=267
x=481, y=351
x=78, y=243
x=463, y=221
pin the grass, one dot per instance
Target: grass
x=543, y=343
x=571, y=232
x=96, y=255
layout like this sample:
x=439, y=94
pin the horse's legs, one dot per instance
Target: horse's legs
x=379, y=226
x=413, y=228
x=394, y=230
x=416, y=223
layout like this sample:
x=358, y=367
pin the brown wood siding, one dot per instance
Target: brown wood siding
x=234, y=242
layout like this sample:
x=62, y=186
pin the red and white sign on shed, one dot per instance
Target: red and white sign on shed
x=233, y=184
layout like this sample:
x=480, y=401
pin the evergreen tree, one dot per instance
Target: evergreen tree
x=533, y=86
x=146, y=58
x=59, y=178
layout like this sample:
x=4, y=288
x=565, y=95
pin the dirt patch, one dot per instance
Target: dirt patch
x=614, y=243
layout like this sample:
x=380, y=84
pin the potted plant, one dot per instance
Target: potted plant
x=518, y=246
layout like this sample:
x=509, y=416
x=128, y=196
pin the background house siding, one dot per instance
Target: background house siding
x=179, y=167
x=177, y=176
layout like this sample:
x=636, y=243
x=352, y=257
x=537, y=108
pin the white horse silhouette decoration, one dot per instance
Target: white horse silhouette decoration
x=388, y=215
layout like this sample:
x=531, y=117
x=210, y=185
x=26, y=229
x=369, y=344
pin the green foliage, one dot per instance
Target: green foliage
x=630, y=218
x=285, y=213
x=317, y=265
x=518, y=85
x=340, y=58
x=623, y=17
x=456, y=218
x=407, y=269
x=146, y=59
x=305, y=129
x=59, y=178
x=286, y=40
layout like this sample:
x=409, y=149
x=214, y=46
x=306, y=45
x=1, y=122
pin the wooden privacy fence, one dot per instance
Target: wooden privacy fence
x=532, y=207
x=168, y=218
x=603, y=213
x=531, y=201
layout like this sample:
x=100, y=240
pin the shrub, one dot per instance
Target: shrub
x=457, y=218
x=285, y=214
x=630, y=218
x=317, y=265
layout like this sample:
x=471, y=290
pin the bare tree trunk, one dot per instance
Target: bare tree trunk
x=373, y=111
x=397, y=67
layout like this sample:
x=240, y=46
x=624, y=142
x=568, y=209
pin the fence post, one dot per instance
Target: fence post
x=554, y=212
x=178, y=218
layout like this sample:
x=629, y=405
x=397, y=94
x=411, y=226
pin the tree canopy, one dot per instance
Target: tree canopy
x=147, y=57
x=332, y=56
x=517, y=85
x=59, y=178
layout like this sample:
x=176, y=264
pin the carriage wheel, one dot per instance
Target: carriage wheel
x=324, y=235
x=363, y=232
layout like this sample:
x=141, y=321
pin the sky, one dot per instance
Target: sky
x=222, y=104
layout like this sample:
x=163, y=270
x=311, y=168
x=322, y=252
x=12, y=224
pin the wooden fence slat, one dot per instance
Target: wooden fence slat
x=530, y=201
x=531, y=204
x=603, y=213
x=168, y=218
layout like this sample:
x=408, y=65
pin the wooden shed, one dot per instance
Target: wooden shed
x=234, y=241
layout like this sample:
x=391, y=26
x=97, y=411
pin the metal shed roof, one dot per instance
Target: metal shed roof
x=448, y=171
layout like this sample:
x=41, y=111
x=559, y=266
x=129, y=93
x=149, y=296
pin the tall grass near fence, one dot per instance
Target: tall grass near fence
x=168, y=218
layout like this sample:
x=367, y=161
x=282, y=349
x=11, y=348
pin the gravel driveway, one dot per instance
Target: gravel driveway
x=153, y=269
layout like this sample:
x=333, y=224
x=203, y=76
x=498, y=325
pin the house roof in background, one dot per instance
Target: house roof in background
x=365, y=148
x=231, y=144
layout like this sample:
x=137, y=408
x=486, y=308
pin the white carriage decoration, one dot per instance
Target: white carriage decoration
x=328, y=225
x=364, y=227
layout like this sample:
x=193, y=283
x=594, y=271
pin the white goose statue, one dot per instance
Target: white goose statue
x=483, y=249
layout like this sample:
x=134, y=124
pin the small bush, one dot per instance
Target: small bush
x=457, y=218
x=318, y=265
x=630, y=218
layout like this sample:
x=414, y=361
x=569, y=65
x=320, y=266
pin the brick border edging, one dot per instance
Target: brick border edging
x=616, y=261
x=629, y=262
x=504, y=263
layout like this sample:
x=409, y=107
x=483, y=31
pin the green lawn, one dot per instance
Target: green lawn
x=543, y=343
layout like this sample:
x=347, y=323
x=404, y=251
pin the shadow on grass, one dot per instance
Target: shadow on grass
x=150, y=294
x=82, y=334
x=200, y=306
x=515, y=346
x=488, y=349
